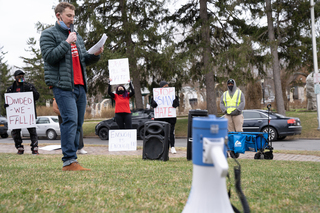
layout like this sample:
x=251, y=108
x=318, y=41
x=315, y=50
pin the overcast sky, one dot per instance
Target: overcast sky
x=18, y=20
x=18, y=25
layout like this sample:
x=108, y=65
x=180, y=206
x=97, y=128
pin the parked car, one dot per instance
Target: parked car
x=3, y=127
x=47, y=126
x=139, y=117
x=279, y=126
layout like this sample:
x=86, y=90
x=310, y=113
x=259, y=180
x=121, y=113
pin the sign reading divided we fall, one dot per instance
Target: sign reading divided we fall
x=20, y=112
x=119, y=71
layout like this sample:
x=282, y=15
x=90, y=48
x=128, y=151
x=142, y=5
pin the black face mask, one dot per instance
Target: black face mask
x=230, y=88
x=120, y=92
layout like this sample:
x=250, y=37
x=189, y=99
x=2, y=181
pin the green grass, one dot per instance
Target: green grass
x=309, y=123
x=129, y=184
x=89, y=128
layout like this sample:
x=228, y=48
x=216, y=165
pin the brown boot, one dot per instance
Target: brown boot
x=75, y=166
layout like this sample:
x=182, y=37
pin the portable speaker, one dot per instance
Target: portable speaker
x=193, y=113
x=156, y=140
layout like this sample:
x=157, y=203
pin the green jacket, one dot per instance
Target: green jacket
x=56, y=53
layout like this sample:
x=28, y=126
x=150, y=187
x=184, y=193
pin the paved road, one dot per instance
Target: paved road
x=293, y=144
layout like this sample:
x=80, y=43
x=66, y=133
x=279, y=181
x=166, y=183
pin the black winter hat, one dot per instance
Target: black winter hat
x=162, y=83
x=230, y=81
x=18, y=72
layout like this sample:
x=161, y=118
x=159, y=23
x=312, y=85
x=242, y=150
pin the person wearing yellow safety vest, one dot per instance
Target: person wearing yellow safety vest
x=232, y=103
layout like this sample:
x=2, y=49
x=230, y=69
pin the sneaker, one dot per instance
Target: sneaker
x=35, y=151
x=81, y=151
x=75, y=166
x=173, y=150
x=20, y=151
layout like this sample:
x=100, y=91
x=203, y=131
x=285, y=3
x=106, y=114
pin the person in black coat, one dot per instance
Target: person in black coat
x=19, y=85
x=171, y=121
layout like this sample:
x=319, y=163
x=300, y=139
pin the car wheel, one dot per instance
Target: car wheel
x=273, y=135
x=281, y=138
x=51, y=134
x=4, y=135
x=141, y=133
x=104, y=133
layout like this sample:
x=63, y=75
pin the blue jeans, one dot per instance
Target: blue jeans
x=72, y=107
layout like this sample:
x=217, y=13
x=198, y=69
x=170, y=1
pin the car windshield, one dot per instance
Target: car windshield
x=56, y=120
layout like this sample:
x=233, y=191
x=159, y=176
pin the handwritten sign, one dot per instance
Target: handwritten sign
x=123, y=140
x=316, y=78
x=119, y=71
x=164, y=98
x=317, y=89
x=20, y=112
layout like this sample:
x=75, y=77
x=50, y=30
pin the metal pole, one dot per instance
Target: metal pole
x=263, y=94
x=315, y=60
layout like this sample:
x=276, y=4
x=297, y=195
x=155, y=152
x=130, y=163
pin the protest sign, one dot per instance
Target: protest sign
x=317, y=89
x=119, y=71
x=316, y=78
x=20, y=112
x=123, y=140
x=164, y=97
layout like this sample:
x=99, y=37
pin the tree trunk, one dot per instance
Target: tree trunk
x=209, y=80
x=275, y=60
x=136, y=84
x=132, y=62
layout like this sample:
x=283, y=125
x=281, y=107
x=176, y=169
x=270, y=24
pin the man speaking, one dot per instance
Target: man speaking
x=65, y=60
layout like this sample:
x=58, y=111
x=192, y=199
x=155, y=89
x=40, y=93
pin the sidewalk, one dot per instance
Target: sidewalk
x=103, y=150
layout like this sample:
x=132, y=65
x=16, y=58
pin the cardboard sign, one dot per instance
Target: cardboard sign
x=317, y=89
x=164, y=97
x=119, y=71
x=316, y=78
x=20, y=112
x=123, y=140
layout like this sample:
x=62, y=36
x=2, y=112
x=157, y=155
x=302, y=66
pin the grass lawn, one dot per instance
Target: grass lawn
x=129, y=184
x=308, y=119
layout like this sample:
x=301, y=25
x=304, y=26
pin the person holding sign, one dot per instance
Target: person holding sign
x=19, y=85
x=65, y=60
x=122, y=109
x=171, y=120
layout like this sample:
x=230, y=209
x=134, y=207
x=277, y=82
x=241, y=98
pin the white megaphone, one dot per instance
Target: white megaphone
x=210, y=167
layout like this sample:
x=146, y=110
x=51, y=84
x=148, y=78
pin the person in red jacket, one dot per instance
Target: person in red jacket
x=122, y=109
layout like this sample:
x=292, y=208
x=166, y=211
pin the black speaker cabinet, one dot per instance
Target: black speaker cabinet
x=156, y=140
x=193, y=113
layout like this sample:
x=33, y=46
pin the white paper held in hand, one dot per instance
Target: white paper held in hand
x=95, y=48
